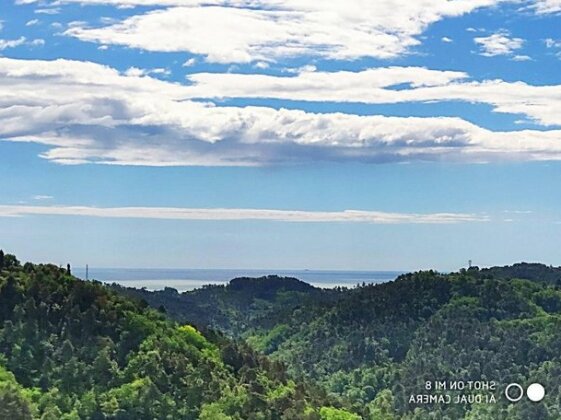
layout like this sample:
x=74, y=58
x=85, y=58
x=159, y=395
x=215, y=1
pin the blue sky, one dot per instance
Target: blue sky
x=281, y=134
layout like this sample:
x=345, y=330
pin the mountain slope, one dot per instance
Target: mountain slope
x=241, y=305
x=376, y=345
x=71, y=349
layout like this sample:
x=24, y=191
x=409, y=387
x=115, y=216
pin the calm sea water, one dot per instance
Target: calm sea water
x=188, y=279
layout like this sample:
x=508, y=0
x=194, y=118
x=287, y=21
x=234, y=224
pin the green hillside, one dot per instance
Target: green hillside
x=375, y=346
x=71, y=349
x=242, y=304
x=277, y=348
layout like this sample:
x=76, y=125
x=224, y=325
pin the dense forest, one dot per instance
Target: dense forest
x=71, y=349
x=277, y=348
x=373, y=346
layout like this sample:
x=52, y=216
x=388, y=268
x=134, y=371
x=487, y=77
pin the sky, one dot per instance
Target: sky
x=281, y=134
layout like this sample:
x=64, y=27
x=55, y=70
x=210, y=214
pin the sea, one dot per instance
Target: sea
x=189, y=279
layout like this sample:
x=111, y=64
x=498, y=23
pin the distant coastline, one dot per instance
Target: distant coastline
x=188, y=279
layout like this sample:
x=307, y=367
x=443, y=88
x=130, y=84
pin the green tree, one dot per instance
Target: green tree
x=213, y=412
x=52, y=413
x=331, y=413
x=382, y=408
x=14, y=403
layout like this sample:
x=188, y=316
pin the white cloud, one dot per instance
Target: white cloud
x=75, y=23
x=32, y=22
x=11, y=43
x=40, y=197
x=548, y=6
x=136, y=72
x=338, y=29
x=133, y=3
x=190, y=62
x=541, y=6
x=499, y=43
x=309, y=84
x=48, y=11
x=521, y=58
x=261, y=65
x=540, y=103
x=552, y=43
x=446, y=39
x=106, y=20
x=160, y=70
x=273, y=29
x=298, y=216
x=308, y=68
x=85, y=112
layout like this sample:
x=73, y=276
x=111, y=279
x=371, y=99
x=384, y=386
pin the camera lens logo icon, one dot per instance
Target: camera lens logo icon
x=535, y=392
x=514, y=392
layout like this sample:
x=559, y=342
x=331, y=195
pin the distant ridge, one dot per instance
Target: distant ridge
x=268, y=286
x=233, y=306
x=527, y=271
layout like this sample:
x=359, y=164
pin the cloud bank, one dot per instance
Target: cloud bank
x=238, y=31
x=542, y=104
x=89, y=113
x=171, y=213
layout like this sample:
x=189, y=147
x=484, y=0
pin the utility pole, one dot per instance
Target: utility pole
x=87, y=272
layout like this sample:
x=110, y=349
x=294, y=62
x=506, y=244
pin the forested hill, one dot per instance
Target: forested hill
x=374, y=346
x=242, y=304
x=528, y=271
x=71, y=349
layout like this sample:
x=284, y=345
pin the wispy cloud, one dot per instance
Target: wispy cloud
x=190, y=62
x=42, y=197
x=548, y=6
x=552, y=43
x=47, y=11
x=521, y=58
x=14, y=43
x=172, y=213
x=11, y=43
